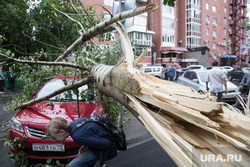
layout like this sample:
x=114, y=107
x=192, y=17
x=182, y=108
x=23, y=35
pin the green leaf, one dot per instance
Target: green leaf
x=58, y=163
x=169, y=2
x=49, y=161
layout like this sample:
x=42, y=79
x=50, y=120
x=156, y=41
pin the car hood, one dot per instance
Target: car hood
x=43, y=113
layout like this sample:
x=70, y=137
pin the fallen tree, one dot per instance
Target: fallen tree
x=188, y=125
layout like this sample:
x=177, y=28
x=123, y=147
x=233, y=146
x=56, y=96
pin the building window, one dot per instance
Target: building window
x=207, y=6
x=224, y=51
x=139, y=50
x=225, y=20
x=225, y=10
x=225, y=31
x=189, y=13
x=214, y=34
x=214, y=9
x=108, y=2
x=225, y=1
x=214, y=45
x=112, y=33
x=193, y=42
x=214, y=21
x=207, y=31
x=142, y=39
x=207, y=19
x=224, y=41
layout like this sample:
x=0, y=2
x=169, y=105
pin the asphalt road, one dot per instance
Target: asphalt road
x=148, y=154
x=5, y=116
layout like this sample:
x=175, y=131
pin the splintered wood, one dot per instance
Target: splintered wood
x=191, y=127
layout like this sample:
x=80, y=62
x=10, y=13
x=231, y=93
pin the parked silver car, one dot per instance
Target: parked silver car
x=156, y=71
x=197, y=80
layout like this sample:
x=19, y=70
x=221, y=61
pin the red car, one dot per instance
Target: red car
x=31, y=121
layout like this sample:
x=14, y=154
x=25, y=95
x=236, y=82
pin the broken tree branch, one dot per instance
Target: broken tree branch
x=72, y=65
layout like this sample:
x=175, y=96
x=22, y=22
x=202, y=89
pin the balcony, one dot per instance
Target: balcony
x=223, y=44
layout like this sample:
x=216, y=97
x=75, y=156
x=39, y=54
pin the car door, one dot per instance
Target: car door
x=238, y=73
x=184, y=79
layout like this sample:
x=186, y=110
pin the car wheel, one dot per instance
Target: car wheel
x=230, y=77
x=157, y=77
x=200, y=91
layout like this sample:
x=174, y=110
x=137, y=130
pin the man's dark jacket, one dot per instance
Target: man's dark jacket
x=96, y=137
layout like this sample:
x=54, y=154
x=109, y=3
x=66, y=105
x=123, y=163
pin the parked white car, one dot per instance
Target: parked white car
x=228, y=68
x=197, y=80
x=156, y=71
x=192, y=67
x=211, y=67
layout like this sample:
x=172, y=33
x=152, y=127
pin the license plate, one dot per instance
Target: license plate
x=48, y=147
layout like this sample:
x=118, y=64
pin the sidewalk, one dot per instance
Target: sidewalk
x=135, y=132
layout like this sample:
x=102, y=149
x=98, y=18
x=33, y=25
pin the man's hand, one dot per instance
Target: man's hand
x=225, y=84
x=226, y=91
x=82, y=149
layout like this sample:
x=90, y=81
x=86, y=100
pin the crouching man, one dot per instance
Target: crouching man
x=94, y=138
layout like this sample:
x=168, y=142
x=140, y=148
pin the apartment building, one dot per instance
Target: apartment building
x=136, y=27
x=247, y=45
x=208, y=29
x=192, y=32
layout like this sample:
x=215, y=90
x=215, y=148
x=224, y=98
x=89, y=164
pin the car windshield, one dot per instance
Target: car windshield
x=56, y=84
x=203, y=75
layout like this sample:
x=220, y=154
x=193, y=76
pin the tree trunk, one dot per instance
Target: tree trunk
x=185, y=123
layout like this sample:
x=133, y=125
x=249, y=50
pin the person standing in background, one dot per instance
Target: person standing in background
x=2, y=79
x=217, y=79
x=165, y=70
x=172, y=72
x=11, y=76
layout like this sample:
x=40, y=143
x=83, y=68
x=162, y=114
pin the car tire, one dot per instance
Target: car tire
x=200, y=91
x=230, y=78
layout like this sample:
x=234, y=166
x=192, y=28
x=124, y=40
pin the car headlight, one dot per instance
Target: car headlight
x=15, y=124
